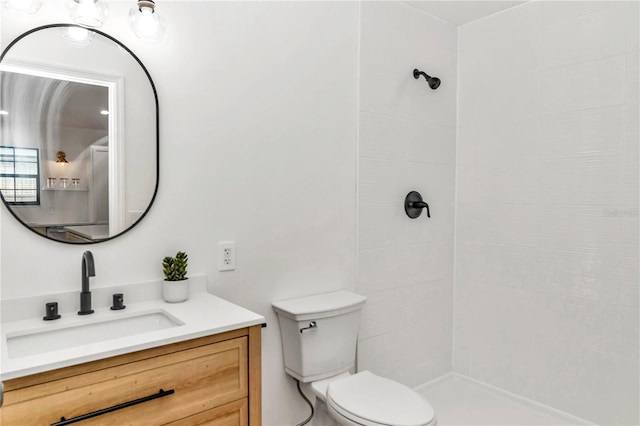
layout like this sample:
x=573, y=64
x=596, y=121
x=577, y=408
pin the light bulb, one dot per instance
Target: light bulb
x=90, y=13
x=23, y=6
x=145, y=21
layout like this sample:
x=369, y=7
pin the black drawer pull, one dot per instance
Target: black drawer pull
x=160, y=394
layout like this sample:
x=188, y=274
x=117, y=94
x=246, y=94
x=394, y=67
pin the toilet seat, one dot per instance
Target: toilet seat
x=370, y=400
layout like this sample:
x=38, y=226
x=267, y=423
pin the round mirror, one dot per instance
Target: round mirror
x=78, y=134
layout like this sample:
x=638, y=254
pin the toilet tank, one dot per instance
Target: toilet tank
x=319, y=333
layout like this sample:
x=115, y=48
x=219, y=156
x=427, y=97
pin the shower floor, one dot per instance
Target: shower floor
x=458, y=400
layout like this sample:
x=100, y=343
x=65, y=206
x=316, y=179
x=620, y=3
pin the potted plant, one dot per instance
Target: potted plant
x=175, y=287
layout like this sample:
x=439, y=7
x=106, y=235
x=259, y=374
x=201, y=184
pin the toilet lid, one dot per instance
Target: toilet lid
x=365, y=396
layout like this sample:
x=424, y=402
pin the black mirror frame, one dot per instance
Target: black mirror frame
x=155, y=96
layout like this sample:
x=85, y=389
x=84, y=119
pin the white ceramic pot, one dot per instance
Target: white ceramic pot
x=175, y=291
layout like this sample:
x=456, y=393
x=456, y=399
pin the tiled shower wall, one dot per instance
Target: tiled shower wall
x=546, y=301
x=407, y=142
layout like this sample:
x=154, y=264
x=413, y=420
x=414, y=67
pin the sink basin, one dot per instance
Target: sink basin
x=22, y=344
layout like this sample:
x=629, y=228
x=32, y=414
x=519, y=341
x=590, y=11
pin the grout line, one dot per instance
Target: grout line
x=357, y=180
x=454, y=245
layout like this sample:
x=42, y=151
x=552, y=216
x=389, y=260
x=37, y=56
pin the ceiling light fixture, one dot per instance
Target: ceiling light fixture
x=147, y=24
x=27, y=7
x=89, y=13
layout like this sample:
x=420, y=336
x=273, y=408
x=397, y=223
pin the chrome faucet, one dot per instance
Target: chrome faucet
x=88, y=270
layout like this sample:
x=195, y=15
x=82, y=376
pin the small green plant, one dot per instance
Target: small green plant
x=175, y=269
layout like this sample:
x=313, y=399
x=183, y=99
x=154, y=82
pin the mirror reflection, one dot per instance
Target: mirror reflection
x=78, y=135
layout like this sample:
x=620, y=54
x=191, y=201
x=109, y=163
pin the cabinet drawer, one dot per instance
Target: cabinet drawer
x=232, y=414
x=203, y=378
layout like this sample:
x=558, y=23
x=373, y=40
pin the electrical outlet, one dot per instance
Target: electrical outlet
x=226, y=256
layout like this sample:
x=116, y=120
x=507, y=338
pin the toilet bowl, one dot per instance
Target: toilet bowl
x=319, y=336
x=365, y=399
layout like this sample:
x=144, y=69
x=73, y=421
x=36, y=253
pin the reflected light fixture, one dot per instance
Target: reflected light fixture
x=147, y=24
x=28, y=7
x=88, y=13
x=104, y=112
x=3, y=112
x=61, y=158
x=78, y=35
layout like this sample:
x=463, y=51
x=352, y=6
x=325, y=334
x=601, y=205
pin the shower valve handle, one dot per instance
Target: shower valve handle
x=420, y=205
x=413, y=205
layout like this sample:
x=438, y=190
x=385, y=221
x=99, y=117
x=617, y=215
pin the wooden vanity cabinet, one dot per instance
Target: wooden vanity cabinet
x=213, y=380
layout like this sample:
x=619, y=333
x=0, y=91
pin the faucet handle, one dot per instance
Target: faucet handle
x=51, y=311
x=118, y=302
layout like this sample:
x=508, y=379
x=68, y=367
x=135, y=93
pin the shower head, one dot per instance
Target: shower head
x=434, y=82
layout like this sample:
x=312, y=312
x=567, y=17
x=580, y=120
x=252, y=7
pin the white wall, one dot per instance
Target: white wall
x=547, y=206
x=407, y=142
x=258, y=110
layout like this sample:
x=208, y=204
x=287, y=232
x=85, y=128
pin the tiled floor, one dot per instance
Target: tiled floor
x=458, y=400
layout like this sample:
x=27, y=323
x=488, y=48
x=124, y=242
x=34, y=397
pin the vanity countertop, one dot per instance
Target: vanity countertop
x=201, y=315
x=92, y=232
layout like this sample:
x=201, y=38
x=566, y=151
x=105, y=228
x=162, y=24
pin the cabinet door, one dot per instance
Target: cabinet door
x=203, y=378
x=232, y=414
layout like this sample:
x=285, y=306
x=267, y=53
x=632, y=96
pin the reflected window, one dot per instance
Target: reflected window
x=20, y=175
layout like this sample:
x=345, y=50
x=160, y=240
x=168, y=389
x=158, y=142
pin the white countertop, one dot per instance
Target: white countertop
x=92, y=232
x=203, y=314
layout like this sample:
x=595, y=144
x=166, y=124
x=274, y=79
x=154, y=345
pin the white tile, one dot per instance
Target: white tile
x=592, y=179
x=547, y=230
x=399, y=39
x=572, y=33
x=401, y=95
x=487, y=56
x=426, y=312
x=592, y=84
x=508, y=182
x=507, y=141
x=510, y=101
x=379, y=354
x=633, y=25
x=466, y=145
x=630, y=180
x=380, y=313
x=586, y=132
x=631, y=136
x=394, y=138
x=589, y=325
x=586, y=229
x=433, y=181
x=502, y=224
x=377, y=270
x=381, y=137
x=388, y=40
x=466, y=183
x=605, y=387
x=505, y=265
x=430, y=143
x=466, y=224
x=630, y=231
x=380, y=225
x=632, y=78
x=470, y=103
x=598, y=277
x=378, y=181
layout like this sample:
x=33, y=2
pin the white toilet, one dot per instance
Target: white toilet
x=319, y=336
